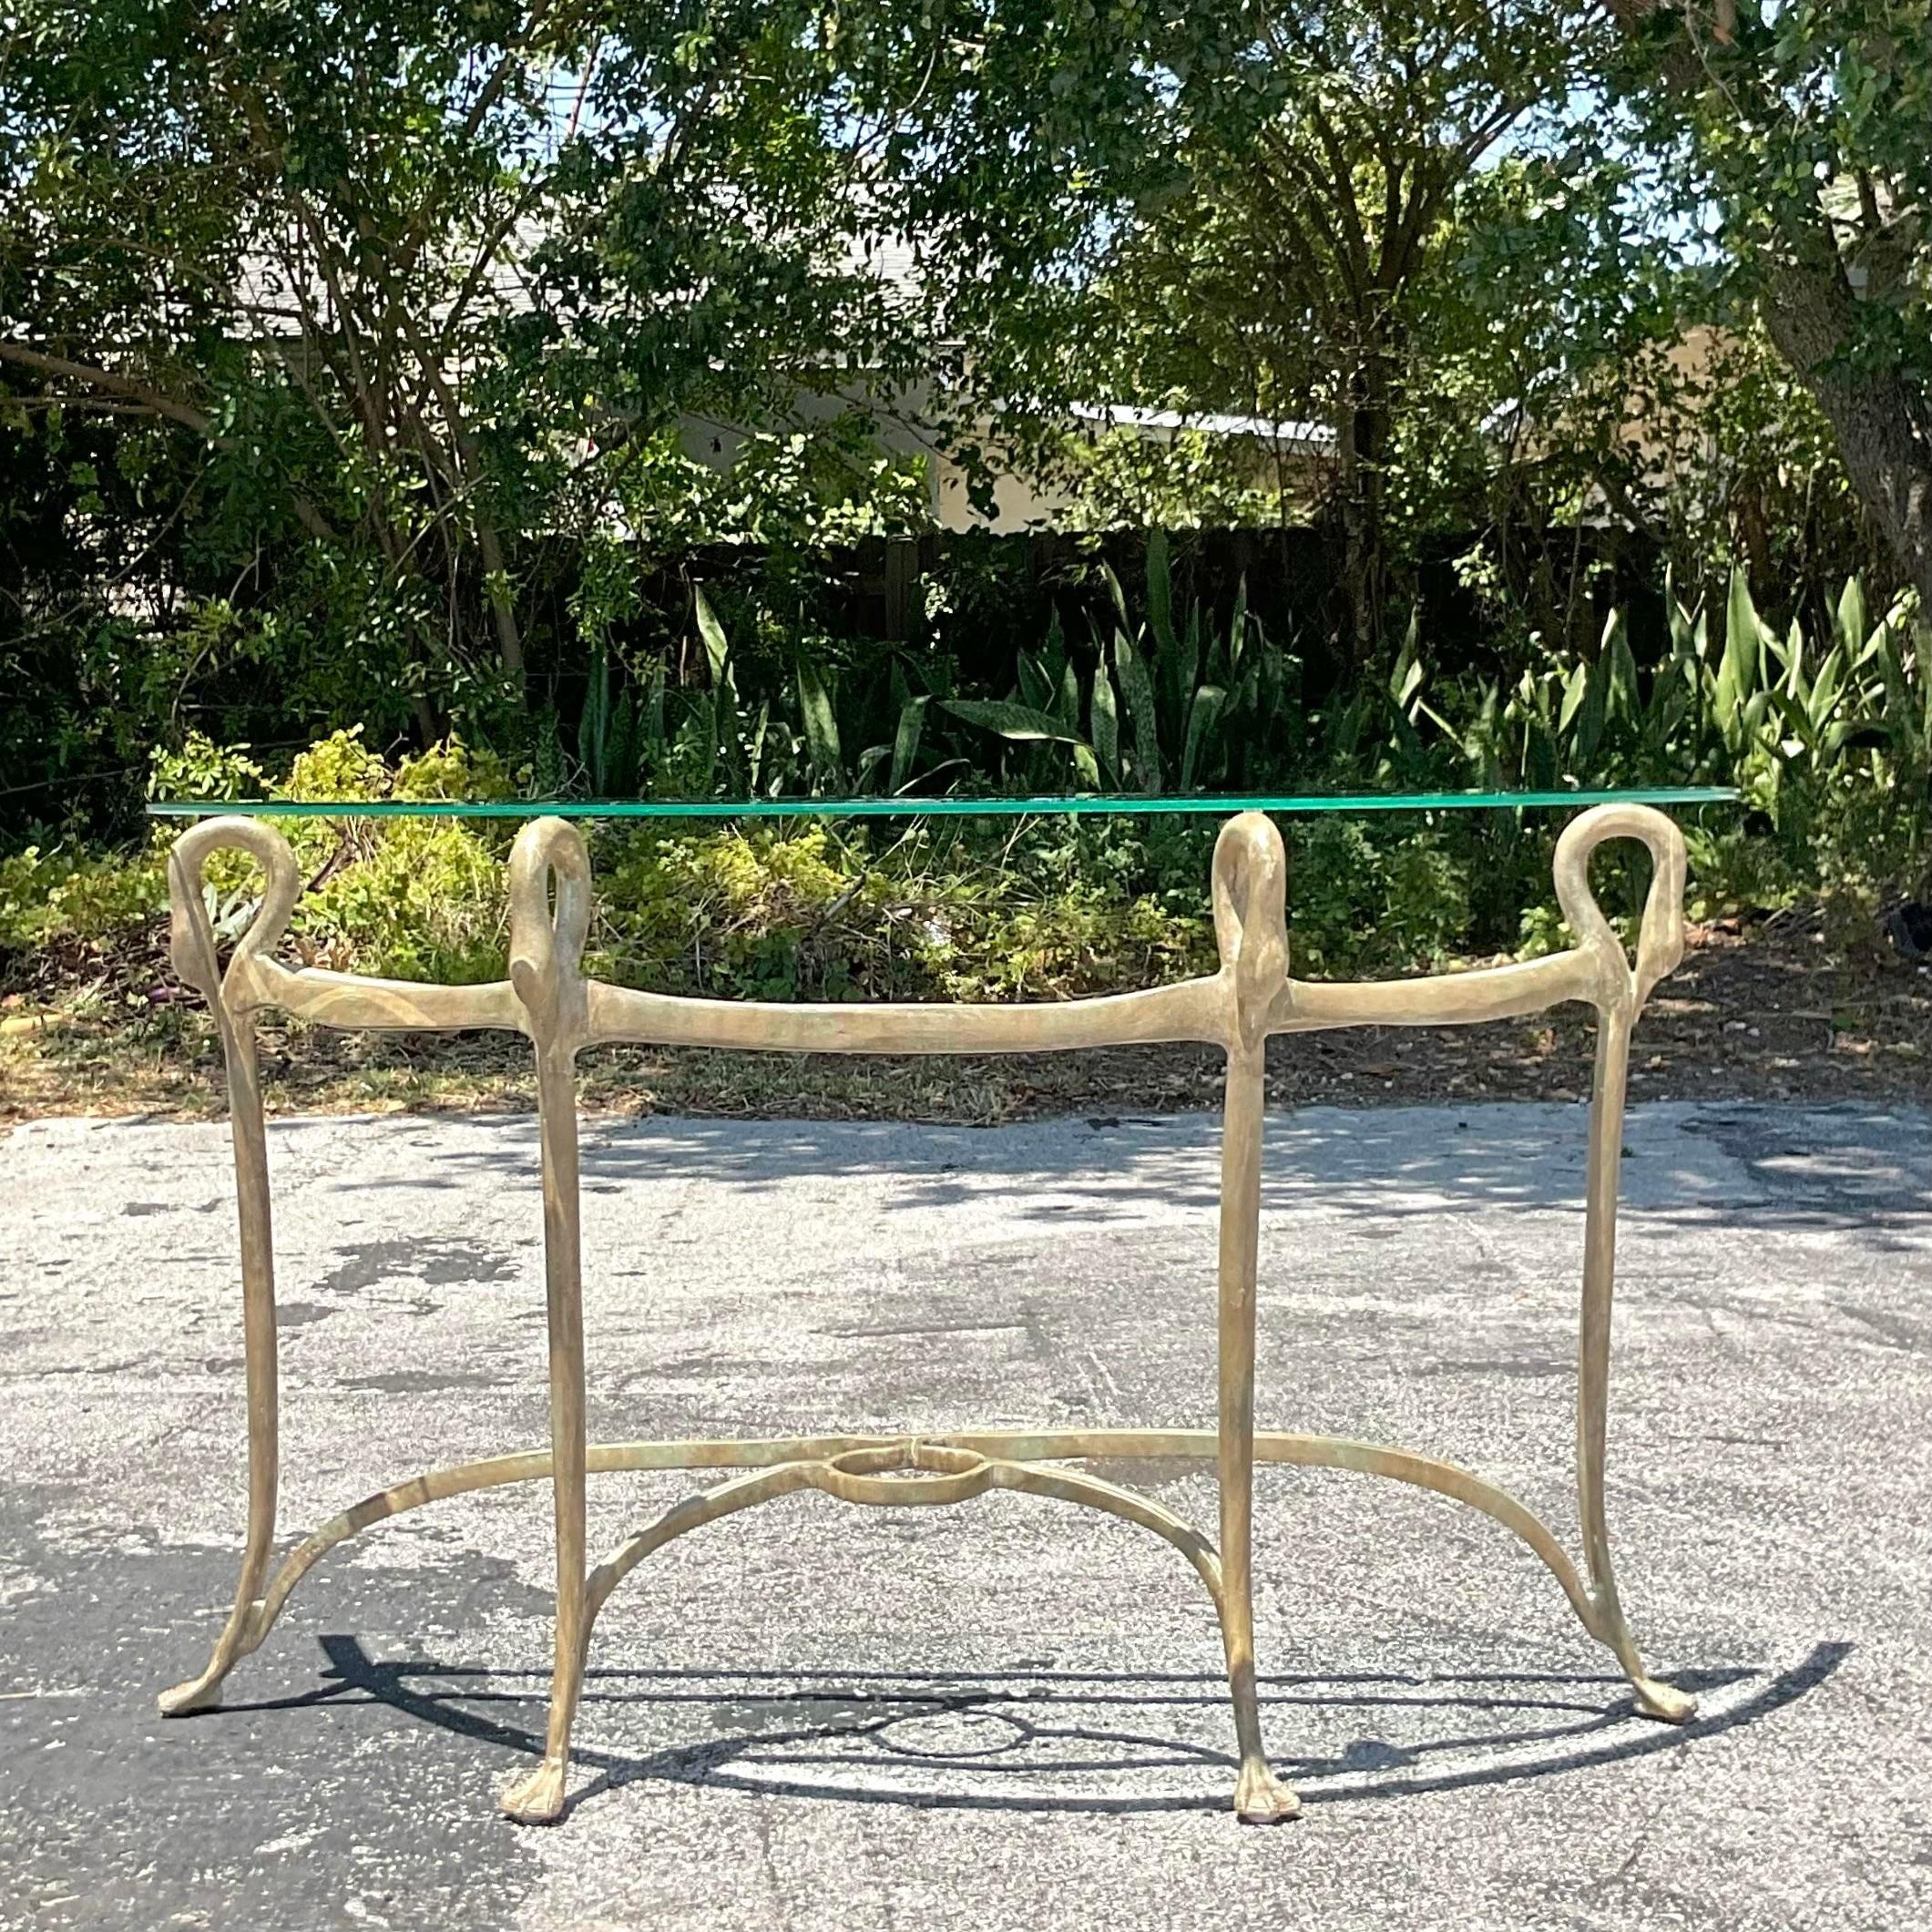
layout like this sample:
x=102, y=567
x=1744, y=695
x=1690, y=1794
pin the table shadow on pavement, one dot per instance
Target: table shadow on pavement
x=1055, y=1740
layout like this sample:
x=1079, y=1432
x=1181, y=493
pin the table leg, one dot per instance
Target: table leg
x=245, y=1626
x=1259, y=1797
x=1654, y=1699
x=539, y=1798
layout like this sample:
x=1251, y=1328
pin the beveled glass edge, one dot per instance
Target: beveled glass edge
x=516, y=808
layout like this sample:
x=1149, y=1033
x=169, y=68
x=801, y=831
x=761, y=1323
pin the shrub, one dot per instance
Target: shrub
x=66, y=894
x=423, y=899
x=1828, y=737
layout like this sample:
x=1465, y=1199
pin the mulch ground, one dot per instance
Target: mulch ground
x=1759, y=1010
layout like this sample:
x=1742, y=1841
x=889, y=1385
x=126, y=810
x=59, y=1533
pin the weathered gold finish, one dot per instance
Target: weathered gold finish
x=1252, y=997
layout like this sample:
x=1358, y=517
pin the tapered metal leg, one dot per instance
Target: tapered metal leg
x=1654, y=1699
x=1259, y=1797
x=245, y=1627
x=539, y=1798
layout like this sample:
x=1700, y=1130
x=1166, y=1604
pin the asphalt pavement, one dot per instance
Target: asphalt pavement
x=1007, y=1715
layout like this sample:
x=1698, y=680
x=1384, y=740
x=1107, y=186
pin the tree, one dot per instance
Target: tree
x=1807, y=124
x=425, y=292
x=1322, y=148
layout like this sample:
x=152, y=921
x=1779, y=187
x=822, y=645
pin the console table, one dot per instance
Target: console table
x=547, y=998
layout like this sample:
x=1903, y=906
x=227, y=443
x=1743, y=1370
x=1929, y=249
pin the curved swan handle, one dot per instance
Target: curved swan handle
x=191, y=936
x=1250, y=917
x=546, y=949
x=1660, y=936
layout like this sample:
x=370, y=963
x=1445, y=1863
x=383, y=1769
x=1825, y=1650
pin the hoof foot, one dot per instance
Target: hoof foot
x=537, y=1799
x=1262, y=1798
x=198, y=1693
x=1664, y=1701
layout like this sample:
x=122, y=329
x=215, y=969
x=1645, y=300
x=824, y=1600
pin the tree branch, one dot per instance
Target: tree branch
x=110, y=383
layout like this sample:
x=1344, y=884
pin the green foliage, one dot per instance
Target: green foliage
x=1795, y=143
x=338, y=766
x=204, y=770
x=609, y=736
x=1379, y=897
x=725, y=913
x=1829, y=739
x=71, y=894
x=424, y=899
x=360, y=366
x=1191, y=480
x=1338, y=165
x=1828, y=733
x=408, y=367
x=453, y=769
x=1177, y=703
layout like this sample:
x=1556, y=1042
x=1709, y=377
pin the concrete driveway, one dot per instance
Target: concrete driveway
x=1006, y=1716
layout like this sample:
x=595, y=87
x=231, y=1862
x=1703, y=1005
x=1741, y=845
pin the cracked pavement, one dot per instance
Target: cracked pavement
x=1007, y=1714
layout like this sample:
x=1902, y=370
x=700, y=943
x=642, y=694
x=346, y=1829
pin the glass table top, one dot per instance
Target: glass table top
x=994, y=807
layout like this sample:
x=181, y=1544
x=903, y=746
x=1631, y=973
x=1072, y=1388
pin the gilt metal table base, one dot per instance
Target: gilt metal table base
x=1251, y=995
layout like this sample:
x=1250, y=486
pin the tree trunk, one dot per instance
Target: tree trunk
x=1363, y=438
x=1880, y=419
x=509, y=636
